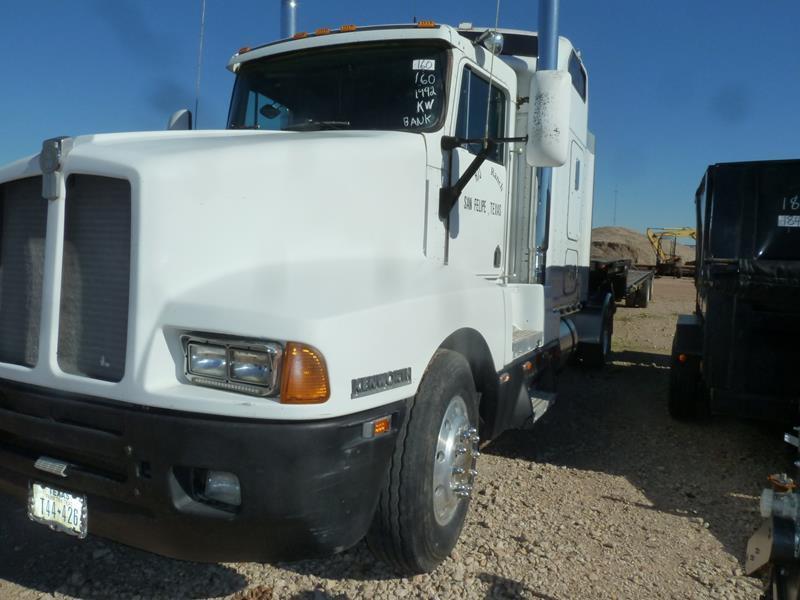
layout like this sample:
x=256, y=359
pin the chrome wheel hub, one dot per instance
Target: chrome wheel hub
x=455, y=461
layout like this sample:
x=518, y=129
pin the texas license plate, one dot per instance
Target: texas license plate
x=59, y=510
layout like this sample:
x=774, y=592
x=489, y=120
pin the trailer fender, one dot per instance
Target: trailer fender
x=688, y=336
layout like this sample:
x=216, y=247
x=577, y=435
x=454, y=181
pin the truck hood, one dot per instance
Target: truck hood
x=264, y=196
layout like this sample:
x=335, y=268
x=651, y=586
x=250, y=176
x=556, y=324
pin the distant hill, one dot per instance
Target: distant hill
x=612, y=243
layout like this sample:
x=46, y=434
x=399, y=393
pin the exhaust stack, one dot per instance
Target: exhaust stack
x=547, y=61
x=288, y=18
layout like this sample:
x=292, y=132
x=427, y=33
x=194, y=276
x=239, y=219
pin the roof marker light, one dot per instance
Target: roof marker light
x=244, y=49
x=322, y=31
x=347, y=28
x=426, y=24
x=300, y=35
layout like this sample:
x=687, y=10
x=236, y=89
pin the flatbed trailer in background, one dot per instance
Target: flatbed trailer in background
x=628, y=282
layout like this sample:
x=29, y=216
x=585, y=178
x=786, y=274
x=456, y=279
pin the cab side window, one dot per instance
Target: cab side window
x=473, y=102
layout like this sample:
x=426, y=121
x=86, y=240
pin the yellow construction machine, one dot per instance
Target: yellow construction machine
x=665, y=242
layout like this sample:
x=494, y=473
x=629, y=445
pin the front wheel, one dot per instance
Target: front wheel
x=424, y=502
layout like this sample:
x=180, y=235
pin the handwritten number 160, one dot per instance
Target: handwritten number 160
x=793, y=203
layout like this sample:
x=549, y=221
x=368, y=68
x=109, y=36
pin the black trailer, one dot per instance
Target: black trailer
x=738, y=352
x=629, y=283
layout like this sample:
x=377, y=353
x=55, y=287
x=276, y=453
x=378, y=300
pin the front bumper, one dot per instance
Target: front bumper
x=308, y=489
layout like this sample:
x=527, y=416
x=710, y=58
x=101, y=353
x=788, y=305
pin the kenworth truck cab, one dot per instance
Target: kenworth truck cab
x=271, y=341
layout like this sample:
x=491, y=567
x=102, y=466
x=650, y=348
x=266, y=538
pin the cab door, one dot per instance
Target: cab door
x=477, y=221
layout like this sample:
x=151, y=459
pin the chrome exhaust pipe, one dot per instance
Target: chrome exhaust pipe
x=288, y=18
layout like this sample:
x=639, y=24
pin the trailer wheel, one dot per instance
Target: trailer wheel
x=684, y=388
x=643, y=295
x=426, y=495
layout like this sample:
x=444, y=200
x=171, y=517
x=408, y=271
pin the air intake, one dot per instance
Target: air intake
x=23, y=225
x=95, y=284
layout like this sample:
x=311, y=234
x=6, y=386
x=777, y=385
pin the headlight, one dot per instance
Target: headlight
x=237, y=366
x=249, y=366
x=209, y=361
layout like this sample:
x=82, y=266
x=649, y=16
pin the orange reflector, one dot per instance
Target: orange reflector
x=527, y=366
x=300, y=35
x=505, y=378
x=322, y=31
x=244, y=49
x=426, y=24
x=382, y=426
x=304, y=378
x=682, y=358
x=346, y=28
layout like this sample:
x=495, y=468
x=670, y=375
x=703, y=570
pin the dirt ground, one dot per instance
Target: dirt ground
x=606, y=498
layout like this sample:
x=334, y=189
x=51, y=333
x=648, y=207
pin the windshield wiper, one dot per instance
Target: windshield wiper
x=312, y=125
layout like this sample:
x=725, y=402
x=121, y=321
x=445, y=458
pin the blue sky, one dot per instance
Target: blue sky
x=674, y=85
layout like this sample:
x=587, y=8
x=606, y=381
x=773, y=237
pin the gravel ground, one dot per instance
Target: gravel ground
x=605, y=498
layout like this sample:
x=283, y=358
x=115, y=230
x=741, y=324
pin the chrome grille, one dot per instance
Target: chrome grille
x=23, y=224
x=93, y=328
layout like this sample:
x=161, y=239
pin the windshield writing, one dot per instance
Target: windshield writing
x=388, y=87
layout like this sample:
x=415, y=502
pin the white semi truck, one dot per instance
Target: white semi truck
x=271, y=341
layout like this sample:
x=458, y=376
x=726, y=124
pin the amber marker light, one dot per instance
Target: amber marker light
x=347, y=28
x=244, y=49
x=682, y=358
x=382, y=426
x=322, y=31
x=304, y=377
x=527, y=366
x=300, y=35
x=426, y=24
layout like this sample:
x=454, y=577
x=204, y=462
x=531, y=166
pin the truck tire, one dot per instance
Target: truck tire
x=784, y=583
x=684, y=389
x=425, y=498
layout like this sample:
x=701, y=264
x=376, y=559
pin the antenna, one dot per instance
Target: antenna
x=199, y=62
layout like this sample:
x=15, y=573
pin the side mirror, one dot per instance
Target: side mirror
x=180, y=120
x=494, y=43
x=548, y=119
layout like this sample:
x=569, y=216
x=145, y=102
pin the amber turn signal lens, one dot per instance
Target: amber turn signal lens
x=382, y=426
x=304, y=378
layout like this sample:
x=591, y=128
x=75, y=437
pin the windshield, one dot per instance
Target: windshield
x=398, y=86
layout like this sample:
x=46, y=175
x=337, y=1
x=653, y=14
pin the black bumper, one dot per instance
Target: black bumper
x=308, y=489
